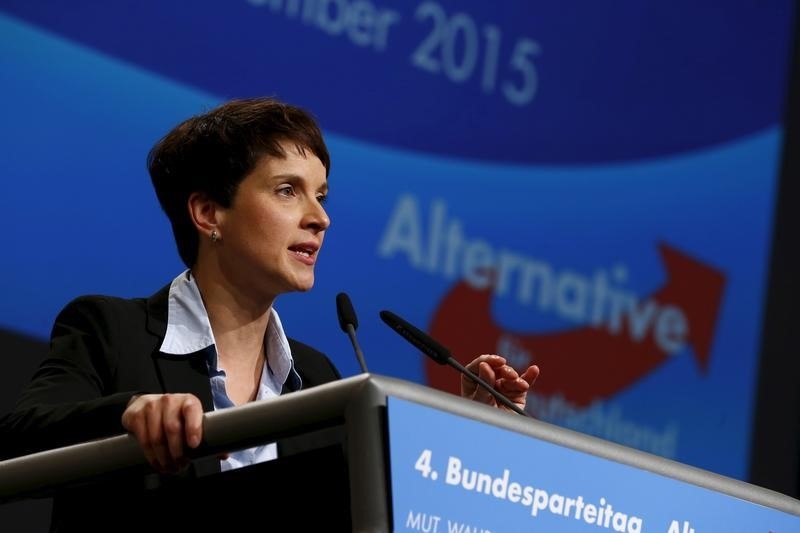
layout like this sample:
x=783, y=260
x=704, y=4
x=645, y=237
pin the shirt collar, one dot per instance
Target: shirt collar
x=188, y=328
x=189, y=331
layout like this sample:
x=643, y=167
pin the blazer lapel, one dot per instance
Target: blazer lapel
x=181, y=373
x=177, y=373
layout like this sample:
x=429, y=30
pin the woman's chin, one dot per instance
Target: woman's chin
x=303, y=285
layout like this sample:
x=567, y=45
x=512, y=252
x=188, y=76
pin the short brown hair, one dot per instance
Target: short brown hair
x=213, y=152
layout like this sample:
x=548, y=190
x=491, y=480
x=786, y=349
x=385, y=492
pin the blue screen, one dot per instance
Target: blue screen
x=587, y=186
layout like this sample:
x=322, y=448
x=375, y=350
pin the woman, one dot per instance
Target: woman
x=244, y=187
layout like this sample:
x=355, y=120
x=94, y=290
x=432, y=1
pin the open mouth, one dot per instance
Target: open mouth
x=304, y=252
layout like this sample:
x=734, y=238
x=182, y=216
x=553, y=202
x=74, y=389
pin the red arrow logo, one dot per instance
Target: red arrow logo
x=590, y=362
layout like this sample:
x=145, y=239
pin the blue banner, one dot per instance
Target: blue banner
x=459, y=475
x=587, y=187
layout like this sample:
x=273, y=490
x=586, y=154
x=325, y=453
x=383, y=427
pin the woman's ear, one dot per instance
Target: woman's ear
x=206, y=215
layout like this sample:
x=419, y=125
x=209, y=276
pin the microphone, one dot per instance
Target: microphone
x=441, y=355
x=349, y=323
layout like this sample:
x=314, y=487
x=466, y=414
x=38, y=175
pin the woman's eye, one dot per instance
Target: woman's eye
x=286, y=190
x=322, y=198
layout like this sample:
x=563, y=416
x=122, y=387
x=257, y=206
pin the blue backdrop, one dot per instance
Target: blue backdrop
x=588, y=186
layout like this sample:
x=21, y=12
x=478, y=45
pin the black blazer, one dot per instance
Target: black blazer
x=103, y=350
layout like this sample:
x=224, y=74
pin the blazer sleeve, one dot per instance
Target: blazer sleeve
x=69, y=399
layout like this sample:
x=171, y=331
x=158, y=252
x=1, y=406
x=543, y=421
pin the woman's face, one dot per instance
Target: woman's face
x=272, y=233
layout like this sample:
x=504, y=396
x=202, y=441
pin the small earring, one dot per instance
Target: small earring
x=214, y=236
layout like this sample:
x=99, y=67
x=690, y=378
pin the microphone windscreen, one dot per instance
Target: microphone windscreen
x=417, y=337
x=345, y=311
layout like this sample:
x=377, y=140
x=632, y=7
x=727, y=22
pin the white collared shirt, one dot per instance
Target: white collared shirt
x=189, y=331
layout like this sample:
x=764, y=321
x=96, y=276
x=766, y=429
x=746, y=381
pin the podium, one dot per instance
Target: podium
x=372, y=453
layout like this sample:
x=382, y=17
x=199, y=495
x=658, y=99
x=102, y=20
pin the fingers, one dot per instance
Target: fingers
x=519, y=383
x=154, y=440
x=486, y=373
x=173, y=425
x=530, y=374
x=494, y=361
x=193, y=420
x=507, y=381
x=469, y=387
x=164, y=424
x=517, y=389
